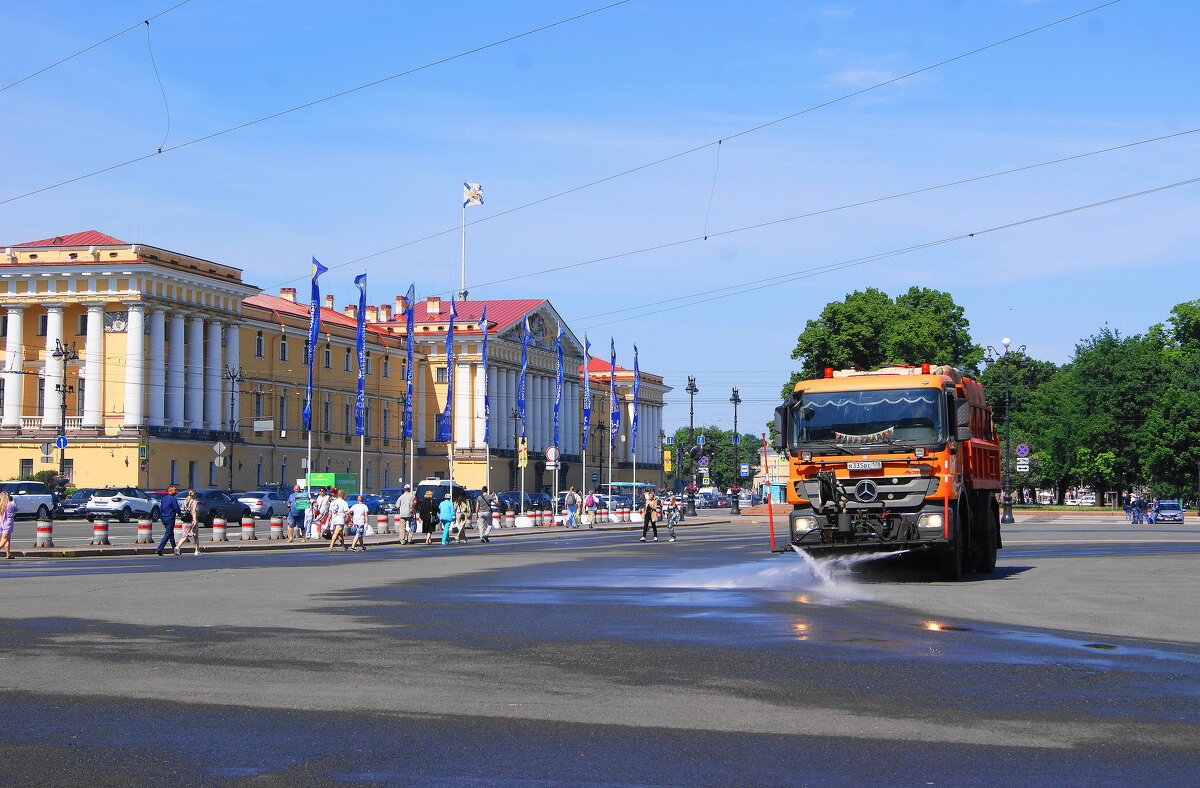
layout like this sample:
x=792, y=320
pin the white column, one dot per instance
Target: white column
x=176, y=366
x=55, y=368
x=233, y=360
x=14, y=358
x=535, y=407
x=627, y=427
x=135, y=365
x=510, y=402
x=493, y=391
x=481, y=389
x=213, y=378
x=155, y=369
x=193, y=415
x=93, y=368
x=419, y=370
x=463, y=417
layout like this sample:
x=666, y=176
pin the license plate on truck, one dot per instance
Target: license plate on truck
x=865, y=465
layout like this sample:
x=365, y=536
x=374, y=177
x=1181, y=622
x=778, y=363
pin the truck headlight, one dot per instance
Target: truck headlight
x=804, y=523
x=930, y=521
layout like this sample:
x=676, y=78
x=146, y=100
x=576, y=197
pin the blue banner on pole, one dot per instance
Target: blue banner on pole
x=314, y=327
x=408, y=366
x=524, y=368
x=558, y=382
x=360, y=340
x=614, y=410
x=446, y=425
x=487, y=404
x=587, y=391
x=637, y=388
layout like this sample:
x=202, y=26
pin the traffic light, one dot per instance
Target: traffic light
x=696, y=452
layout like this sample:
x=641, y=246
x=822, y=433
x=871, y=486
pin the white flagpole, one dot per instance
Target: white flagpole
x=362, y=478
x=462, y=288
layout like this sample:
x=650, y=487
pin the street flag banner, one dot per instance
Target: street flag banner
x=360, y=340
x=409, y=298
x=446, y=426
x=614, y=411
x=524, y=368
x=314, y=327
x=558, y=387
x=487, y=405
x=637, y=389
x=587, y=391
x=473, y=194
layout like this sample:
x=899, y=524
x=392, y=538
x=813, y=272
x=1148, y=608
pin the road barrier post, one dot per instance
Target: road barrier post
x=100, y=532
x=145, y=531
x=45, y=534
x=218, y=530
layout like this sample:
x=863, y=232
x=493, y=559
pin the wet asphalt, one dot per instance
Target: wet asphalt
x=592, y=659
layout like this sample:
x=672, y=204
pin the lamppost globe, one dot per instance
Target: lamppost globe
x=1006, y=342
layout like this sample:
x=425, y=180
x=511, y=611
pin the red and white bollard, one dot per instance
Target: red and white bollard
x=248, y=534
x=510, y=519
x=145, y=532
x=178, y=529
x=563, y=520
x=383, y=524
x=45, y=534
x=276, y=528
x=218, y=530
x=496, y=519
x=100, y=532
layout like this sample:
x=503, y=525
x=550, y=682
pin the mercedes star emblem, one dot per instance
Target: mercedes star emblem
x=865, y=491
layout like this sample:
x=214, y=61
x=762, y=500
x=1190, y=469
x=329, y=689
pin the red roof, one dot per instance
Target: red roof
x=85, y=238
x=502, y=313
x=283, y=306
x=600, y=365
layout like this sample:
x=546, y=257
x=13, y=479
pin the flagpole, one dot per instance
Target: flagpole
x=362, y=479
x=462, y=289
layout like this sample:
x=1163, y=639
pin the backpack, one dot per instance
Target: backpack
x=589, y=501
x=571, y=499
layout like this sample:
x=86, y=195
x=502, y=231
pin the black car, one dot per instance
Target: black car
x=75, y=503
x=218, y=503
x=511, y=501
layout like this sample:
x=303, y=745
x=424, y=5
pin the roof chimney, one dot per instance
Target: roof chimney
x=433, y=305
x=329, y=302
x=288, y=294
x=385, y=313
x=372, y=314
x=400, y=305
x=351, y=310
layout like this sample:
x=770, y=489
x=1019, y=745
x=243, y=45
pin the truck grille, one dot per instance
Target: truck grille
x=875, y=492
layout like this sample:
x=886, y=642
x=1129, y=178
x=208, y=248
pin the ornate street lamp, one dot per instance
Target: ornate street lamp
x=690, y=508
x=68, y=355
x=1007, y=358
x=734, y=506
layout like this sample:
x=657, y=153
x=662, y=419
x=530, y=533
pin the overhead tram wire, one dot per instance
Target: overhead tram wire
x=314, y=102
x=145, y=21
x=810, y=214
x=703, y=146
x=656, y=308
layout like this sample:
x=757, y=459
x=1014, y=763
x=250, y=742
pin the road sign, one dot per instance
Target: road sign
x=219, y=447
x=667, y=466
x=1022, y=450
x=699, y=440
x=737, y=439
x=595, y=478
x=262, y=425
x=745, y=469
x=669, y=440
x=552, y=453
x=219, y=462
x=552, y=466
x=61, y=441
x=703, y=462
x=1022, y=469
x=47, y=449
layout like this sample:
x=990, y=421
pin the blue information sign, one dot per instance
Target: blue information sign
x=595, y=478
x=669, y=440
x=699, y=440
x=61, y=441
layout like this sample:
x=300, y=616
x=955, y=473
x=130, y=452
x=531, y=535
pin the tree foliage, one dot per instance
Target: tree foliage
x=723, y=460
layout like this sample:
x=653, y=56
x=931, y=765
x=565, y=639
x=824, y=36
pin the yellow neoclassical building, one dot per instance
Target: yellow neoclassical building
x=148, y=360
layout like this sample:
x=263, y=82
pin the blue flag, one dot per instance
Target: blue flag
x=524, y=368
x=558, y=381
x=446, y=426
x=360, y=340
x=637, y=387
x=408, y=367
x=614, y=410
x=487, y=405
x=314, y=326
x=587, y=391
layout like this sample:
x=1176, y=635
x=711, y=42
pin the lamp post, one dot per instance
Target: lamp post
x=1007, y=358
x=690, y=508
x=67, y=354
x=235, y=378
x=734, y=506
x=516, y=419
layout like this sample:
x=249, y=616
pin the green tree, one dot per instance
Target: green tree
x=722, y=465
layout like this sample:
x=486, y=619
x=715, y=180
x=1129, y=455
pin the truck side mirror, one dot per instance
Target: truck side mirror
x=962, y=419
x=781, y=428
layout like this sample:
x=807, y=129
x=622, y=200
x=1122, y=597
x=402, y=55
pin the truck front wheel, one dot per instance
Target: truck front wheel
x=950, y=560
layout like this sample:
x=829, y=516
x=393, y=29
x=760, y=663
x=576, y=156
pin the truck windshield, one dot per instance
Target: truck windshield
x=868, y=417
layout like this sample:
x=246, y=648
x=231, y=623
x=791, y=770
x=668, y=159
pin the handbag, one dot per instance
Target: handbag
x=327, y=534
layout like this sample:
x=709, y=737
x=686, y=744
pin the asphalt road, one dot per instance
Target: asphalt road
x=589, y=658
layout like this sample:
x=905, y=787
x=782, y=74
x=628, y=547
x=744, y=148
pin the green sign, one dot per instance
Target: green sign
x=342, y=481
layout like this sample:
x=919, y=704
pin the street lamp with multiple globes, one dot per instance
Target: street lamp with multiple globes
x=68, y=355
x=734, y=506
x=1007, y=358
x=690, y=508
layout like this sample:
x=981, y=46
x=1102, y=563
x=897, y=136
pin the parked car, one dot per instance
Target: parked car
x=721, y=501
x=218, y=503
x=123, y=503
x=75, y=504
x=512, y=500
x=33, y=499
x=389, y=496
x=264, y=503
x=706, y=500
x=439, y=487
x=374, y=502
x=541, y=500
x=1169, y=512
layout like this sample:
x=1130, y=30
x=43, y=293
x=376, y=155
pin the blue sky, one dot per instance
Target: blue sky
x=644, y=80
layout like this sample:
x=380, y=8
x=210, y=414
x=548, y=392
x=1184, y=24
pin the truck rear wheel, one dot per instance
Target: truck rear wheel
x=991, y=540
x=950, y=560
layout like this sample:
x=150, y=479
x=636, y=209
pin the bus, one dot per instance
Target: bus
x=636, y=489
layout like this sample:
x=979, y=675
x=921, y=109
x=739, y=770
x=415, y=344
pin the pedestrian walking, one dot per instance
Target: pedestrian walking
x=484, y=505
x=462, y=515
x=406, y=508
x=358, y=525
x=295, y=514
x=427, y=515
x=446, y=515
x=650, y=511
x=339, y=512
x=672, y=516
x=168, y=510
x=589, y=510
x=8, y=513
x=320, y=515
x=191, y=522
x=571, y=499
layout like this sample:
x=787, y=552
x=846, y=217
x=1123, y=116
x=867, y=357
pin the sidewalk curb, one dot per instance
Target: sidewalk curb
x=266, y=545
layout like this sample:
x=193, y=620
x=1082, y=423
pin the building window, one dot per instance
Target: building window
x=328, y=357
x=42, y=327
x=26, y=468
x=79, y=398
x=386, y=427
x=258, y=405
x=260, y=345
x=367, y=418
x=387, y=366
x=283, y=471
x=192, y=478
x=81, y=327
x=367, y=357
x=367, y=479
x=259, y=476
x=41, y=397
x=283, y=411
x=328, y=415
x=346, y=363
x=69, y=468
x=212, y=474
x=283, y=349
x=174, y=472
x=347, y=410
x=439, y=374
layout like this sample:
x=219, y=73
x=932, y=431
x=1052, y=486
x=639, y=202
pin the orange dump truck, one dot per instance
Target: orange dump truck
x=902, y=458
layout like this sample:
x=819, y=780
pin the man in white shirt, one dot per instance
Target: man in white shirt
x=358, y=525
x=339, y=512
